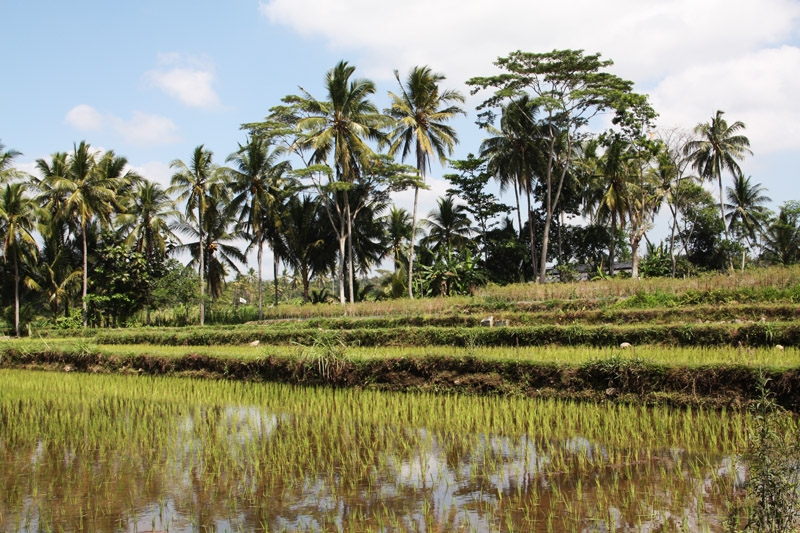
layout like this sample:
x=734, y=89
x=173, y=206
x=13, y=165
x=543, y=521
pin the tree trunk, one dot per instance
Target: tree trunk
x=16, y=295
x=85, y=311
x=342, y=246
x=275, y=262
x=306, y=283
x=722, y=210
x=519, y=213
x=545, y=242
x=202, y=263
x=260, y=292
x=635, y=241
x=411, y=245
x=613, y=244
x=531, y=235
x=350, y=274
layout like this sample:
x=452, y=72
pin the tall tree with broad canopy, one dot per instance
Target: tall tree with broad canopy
x=717, y=148
x=421, y=111
x=569, y=88
x=337, y=130
x=470, y=185
x=650, y=170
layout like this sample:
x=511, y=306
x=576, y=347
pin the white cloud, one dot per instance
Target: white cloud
x=142, y=129
x=85, y=118
x=427, y=197
x=185, y=78
x=155, y=171
x=759, y=89
x=693, y=56
x=646, y=39
x=145, y=129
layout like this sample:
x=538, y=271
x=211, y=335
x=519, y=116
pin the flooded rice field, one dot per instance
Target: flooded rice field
x=85, y=452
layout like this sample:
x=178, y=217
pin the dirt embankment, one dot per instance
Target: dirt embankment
x=614, y=379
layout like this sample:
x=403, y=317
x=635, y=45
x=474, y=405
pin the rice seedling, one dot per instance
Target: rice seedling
x=117, y=452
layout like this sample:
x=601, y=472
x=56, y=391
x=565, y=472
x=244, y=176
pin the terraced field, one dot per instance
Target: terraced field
x=608, y=406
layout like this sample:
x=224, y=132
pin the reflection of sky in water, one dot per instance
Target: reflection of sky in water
x=444, y=472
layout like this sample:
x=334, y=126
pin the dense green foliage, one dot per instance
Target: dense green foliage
x=313, y=184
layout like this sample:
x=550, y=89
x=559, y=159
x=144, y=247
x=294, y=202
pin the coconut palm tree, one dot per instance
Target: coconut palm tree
x=192, y=182
x=608, y=193
x=747, y=213
x=7, y=171
x=398, y=231
x=146, y=221
x=449, y=226
x=782, y=237
x=421, y=111
x=340, y=128
x=61, y=257
x=56, y=276
x=17, y=222
x=308, y=239
x=258, y=181
x=718, y=148
x=514, y=156
x=83, y=192
x=219, y=252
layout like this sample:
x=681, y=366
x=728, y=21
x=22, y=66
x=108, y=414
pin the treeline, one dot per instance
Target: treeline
x=314, y=179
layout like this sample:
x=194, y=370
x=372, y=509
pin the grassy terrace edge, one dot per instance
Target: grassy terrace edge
x=616, y=378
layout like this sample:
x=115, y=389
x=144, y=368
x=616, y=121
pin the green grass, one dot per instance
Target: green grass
x=663, y=355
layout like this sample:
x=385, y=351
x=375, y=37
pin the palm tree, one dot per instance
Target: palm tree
x=7, y=172
x=215, y=250
x=513, y=156
x=84, y=193
x=192, y=182
x=747, y=213
x=146, y=220
x=56, y=276
x=369, y=239
x=421, y=111
x=62, y=260
x=308, y=238
x=258, y=180
x=17, y=220
x=398, y=232
x=449, y=226
x=340, y=127
x=608, y=191
x=717, y=149
x=782, y=237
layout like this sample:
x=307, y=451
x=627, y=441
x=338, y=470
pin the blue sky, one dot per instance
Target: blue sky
x=152, y=80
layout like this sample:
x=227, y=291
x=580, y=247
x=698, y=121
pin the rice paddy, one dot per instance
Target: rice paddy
x=85, y=452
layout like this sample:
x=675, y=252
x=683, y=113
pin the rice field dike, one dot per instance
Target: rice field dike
x=696, y=341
